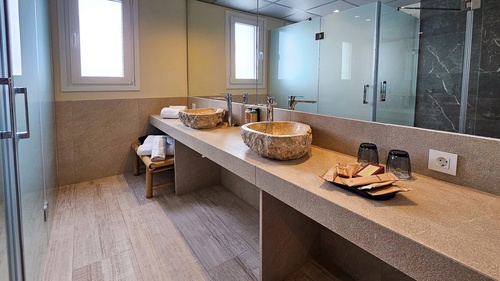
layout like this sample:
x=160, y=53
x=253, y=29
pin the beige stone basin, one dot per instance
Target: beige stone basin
x=282, y=140
x=201, y=118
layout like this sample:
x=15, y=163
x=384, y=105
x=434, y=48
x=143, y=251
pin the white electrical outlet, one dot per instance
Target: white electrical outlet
x=443, y=162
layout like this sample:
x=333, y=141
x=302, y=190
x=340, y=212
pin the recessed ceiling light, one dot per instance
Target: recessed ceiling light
x=336, y=11
x=356, y=16
x=368, y=19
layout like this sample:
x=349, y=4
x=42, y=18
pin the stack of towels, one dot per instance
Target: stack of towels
x=172, y=111
x=157, y=146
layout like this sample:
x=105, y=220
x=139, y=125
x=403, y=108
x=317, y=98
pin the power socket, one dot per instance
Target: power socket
x=443, y=162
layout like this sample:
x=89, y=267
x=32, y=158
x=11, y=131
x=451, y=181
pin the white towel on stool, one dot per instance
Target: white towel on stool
x=158, y=148
x=169, y=151
x=170, y=140
x=146, y=146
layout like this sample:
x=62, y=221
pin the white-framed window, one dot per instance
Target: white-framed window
x=98, y=42
x=245, y=45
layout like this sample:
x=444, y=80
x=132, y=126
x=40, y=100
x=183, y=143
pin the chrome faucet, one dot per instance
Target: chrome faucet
x=245, y=98
x=292, y=101
x=229, y=101
x=270, y=108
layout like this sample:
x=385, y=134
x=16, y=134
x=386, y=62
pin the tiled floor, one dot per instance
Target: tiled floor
x=107, y=230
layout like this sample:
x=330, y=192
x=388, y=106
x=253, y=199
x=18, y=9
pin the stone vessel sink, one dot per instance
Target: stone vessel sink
x=282, y=140
x=201, y=118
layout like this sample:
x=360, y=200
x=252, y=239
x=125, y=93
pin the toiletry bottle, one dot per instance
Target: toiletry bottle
x=255, y=114
x=248, y=115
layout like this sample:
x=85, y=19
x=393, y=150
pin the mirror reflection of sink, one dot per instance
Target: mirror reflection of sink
x=201, y=118
x=282, y=140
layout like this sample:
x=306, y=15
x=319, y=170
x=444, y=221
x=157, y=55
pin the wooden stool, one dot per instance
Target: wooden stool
x=152, y=168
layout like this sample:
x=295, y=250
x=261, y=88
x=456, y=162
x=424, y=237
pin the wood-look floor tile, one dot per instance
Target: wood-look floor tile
x=113, y=235
x=171, y=248
x=251, y=261
x=87, y=245
x=161, y=252
x=312, y=271
x=231, y=270
x=122, y=267
x=205, y=246
x=91, y=272
x=59, y=261
x=240, y=216
x=106, y=230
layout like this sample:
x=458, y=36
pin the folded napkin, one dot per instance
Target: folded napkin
x=158, y=148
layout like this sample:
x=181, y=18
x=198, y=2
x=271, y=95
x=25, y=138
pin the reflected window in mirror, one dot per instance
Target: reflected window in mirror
x=244, y=50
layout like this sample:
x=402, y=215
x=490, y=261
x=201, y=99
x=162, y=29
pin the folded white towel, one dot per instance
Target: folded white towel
x=180, y=107
x=169, y=151
x=149, y=140
x=145, y=147
x=170, y=140
x=158, y=148
x=170, y=113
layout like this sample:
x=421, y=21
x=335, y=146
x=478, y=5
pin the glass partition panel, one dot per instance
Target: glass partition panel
x=293, y=64
x=397, y=67
x=347, y=63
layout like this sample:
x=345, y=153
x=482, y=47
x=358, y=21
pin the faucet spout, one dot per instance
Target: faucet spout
x=270, y=108
x=229, y=101
x=292, y=101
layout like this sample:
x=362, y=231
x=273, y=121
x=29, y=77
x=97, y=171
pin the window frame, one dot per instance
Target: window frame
x=69, y=51
x=233, y=17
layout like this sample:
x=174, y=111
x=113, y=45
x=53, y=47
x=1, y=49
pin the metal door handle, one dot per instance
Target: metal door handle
x=24, y=134
x=365, y=89
x=7, y=81
x=383, y=90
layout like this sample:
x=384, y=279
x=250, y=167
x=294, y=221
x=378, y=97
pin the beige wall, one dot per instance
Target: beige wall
x=162, y=54
x=207, y=49
x=95, y=129
x=94, y=136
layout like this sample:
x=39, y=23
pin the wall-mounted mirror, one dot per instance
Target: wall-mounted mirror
x=440, y=70
x=207, y=47
x=362, y=64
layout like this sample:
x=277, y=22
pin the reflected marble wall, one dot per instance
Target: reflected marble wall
x=440, y=69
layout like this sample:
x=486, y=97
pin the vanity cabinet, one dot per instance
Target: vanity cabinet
x=437, y=231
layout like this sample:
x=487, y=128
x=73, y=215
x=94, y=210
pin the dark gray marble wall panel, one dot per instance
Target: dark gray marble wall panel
x=440, y=66
x=440, y=69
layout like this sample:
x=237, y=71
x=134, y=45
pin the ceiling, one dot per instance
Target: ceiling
x=300, y=10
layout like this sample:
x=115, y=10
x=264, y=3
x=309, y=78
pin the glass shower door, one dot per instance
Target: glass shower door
x=36, y=153
x=346, y=69
x=27, y=159
x=293, y=64
x=397, y=67
x=10, y=245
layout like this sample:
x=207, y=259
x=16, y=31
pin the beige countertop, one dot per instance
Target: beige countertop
x=437, y=231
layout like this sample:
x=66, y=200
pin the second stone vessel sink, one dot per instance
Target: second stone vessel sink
x=282, y=140
x=201, y=118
